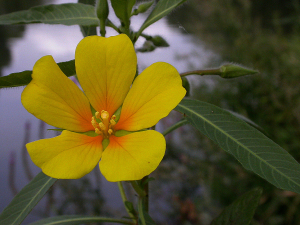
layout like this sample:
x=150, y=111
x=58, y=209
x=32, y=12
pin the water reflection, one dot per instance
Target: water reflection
x=8, y=32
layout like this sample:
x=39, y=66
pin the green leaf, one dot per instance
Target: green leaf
x=250, y=147
x=26, y=199
x=247, y=120
x=123, y=9
x=130, y=207
x=23, y=78
x=162, y=8
x=241, y=211
x=73, y=220
x=87, y=30
x=66, y=14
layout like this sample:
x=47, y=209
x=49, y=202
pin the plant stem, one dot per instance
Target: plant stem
x=124, y=198
x=202, y=72
x=110, y=24
x=175, y=126
x=146, y=190
x=138, y=189
x=141, y=211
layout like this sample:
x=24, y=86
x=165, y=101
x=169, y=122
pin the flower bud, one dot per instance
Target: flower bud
x=142, y=8
x=102, y=12
x=147, y=47
x=232, y=71
x=159, y=41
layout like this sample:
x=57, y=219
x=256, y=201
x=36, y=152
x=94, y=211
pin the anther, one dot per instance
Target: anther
x=110, y=131
x=112, y=123
x=98, y=131
x=97, y=115
x=102, y=126
x=94, y=122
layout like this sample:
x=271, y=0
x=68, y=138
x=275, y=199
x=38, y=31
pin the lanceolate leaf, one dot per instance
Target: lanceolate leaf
x=87, y=30
x=241, y=211
x=26, y=199
x=251, y=148
x=73, y=220
x=123, y=9
x=23, y=78
x=66, y=14
x=162, y=8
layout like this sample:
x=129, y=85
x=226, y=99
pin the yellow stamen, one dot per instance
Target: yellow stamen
x=112, y=123
x=102, y=127
x=105, y=126
x=97, y=115
x=110, y=131
x=97, y=131
x=94, y=122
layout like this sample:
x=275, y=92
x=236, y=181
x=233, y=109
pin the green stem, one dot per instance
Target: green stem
x=110, y=24
x=82, y=219
x=175, y=126
x=138, y=189
x=202, y=72
x=146, y=190
x=141, y=211
x=147, y=37
x=124, y=198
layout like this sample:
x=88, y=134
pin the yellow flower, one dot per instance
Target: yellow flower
x=105, y=68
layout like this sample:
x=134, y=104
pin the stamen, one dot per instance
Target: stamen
x=102, y=127
x=98, y=131
x=110, y=131
x=94, y=122
x=97, y=115
x=112, y=123
x=103, y=124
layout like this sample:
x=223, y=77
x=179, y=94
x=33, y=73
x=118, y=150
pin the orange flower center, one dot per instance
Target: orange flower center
x=103, y=124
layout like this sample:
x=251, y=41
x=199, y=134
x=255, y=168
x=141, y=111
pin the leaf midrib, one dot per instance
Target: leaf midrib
x=158, y=15
x=32, y=199
x=236, y=141
x=62, y=19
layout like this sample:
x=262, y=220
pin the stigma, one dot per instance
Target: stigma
x=103, y=124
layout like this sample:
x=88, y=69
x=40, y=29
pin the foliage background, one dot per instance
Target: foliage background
x=263, y=35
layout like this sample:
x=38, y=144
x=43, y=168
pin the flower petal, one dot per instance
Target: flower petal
x=133, y=156
x=105, y=68
x=154, y=93
x=52, y=97
x=68, y=156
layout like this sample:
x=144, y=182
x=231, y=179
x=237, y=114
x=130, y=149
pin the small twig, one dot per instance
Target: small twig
x=175, y=126
x=124, y=198
x=202, y=72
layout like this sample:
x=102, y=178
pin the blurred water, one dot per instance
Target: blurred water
x=60, y=42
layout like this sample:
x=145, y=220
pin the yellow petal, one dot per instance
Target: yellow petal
x=52, y=97
x=105, y=68
x=133, y=156
x=68, y=156
x=154, y=93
